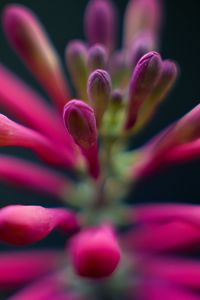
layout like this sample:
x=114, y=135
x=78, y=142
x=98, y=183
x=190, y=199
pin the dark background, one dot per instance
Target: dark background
x=180, y=41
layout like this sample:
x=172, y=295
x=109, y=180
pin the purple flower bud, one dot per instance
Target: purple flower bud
x=97, y=57
x=165, y=83
x=144, y=78
x=95, y=252
x=143, y=44
x=99, y=89
x=76, y=59
x=100, y=23
x=79, y=119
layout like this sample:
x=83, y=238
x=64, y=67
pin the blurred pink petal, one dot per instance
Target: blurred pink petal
x=162, y=213
x=183, y=153
x=23, y=225
x=176, y=235
x=175, y=270
x=13, y=134
x=31, y=176
x=157, y=290
x=101, y=23
x=26, y=105
x=18, y=268
x=28, y=38
x=140, y=16
x=49, y=288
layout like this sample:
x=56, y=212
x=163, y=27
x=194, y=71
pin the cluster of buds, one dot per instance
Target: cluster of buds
x=113, y=250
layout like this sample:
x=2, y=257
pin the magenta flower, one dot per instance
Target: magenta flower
x=113, y=250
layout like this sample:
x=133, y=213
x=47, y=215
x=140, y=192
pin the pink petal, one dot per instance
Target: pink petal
x=175, y=270
x=23, y=225
x=49, y=288
x=28, y=38
x=13, y=134
x=162, y=213
x=156, y=290
x=183, y=153
x=140, y=16
x=31, y=176
x=30, y=108
x=18, y=268
x=176, y=235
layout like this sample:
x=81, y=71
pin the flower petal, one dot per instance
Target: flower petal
x=30, y=41
x=30, y=108
x=13, y=134
x=18, y=268
x=176, y=235
x=23, y=225
x=31, y=176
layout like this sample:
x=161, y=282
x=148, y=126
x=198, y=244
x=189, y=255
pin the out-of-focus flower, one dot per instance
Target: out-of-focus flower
x=113, y=250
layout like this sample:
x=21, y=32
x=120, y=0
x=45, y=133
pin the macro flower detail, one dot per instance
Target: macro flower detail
x=113, y=248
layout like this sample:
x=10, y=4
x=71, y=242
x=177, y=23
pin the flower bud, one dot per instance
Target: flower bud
x=80, y=122
x=95, y=252
x=144, y=78
x=164, y=85
x=140, y=16
x=30, y=41
x=97, y=57
x=76, y=58
x=99, y=90
x=143, y=44
x=23, y=225
x=119, y=69
x=100, y=23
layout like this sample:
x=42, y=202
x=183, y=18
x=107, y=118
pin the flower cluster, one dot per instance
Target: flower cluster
x=114, y=250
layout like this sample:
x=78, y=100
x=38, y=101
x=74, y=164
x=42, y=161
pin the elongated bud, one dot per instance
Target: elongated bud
x=99, y=90
x=144, y=78
x=97, y=57
x=164, y=85
x=29, y=39
x=28, y=175
x=142, y=16
x=79, y=119
x=116, y=100
x=14, y=134
x=100, y=23
x=76, y=58
x=167, y=79
x=143, y=44
x=95, y=252
x=23, y=225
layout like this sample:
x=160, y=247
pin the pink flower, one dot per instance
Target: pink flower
x=113, y=250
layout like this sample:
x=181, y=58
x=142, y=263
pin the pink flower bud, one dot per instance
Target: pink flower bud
x=142, y=16
x=95, y=252
x=97, y=57
x=144, y=78
x=20, y=267
x=76, y=58
x=99, y=90
x=100, y=23
x=23, y=225
x=80, y=122
x=26, y=175
x=29, y=39
x=13, y=134
x=24, y=104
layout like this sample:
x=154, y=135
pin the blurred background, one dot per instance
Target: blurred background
x=180, y=41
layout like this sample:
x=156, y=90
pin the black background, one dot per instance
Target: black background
x=180, y=41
